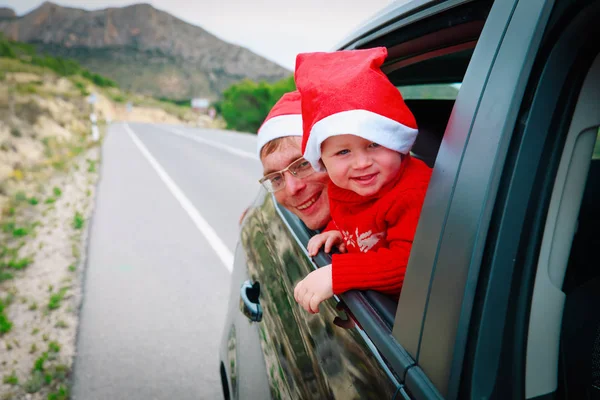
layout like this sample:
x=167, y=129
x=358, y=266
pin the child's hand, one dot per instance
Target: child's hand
x=329, y=239
x=315, y=288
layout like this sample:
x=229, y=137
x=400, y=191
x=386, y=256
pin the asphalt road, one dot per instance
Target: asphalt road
x=161, y=240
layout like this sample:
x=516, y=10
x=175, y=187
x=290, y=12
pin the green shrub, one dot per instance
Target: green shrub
x=20, y=232
x=78, y=221
x=56, y=299
x=11, y=379
x=5, y=324
x=20, y=196
x=35, y=383
x=54, y=347
x=98, y=80
x=19, y=264
x=6, y=50
x=27, y=54
x=246, y=104
x=82, y=88
x=119, y=98
x=61, y=394
x=39, y=363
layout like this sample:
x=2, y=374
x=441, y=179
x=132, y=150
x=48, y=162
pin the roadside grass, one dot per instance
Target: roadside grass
x=91, y=165
x=45, y=373
x=78, y=220
x=61, y=394
x=61, y=324
x=57, y=298
x=11, y=379
x=5, y=324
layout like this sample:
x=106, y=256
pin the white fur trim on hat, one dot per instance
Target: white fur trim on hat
x=277, y=127
x=366, y=124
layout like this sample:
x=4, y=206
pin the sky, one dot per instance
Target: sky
x=274, y=29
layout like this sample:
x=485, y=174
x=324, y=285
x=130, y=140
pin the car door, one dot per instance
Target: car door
x=306, y=356
x=480, y=290
x=527, y=270
x=419, y=348
x=436, y=47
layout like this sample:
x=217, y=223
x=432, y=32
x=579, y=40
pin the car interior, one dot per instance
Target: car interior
x=563, y=347
x=580, y=331
x=432, y=116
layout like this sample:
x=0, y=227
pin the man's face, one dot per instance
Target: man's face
x=305, y=197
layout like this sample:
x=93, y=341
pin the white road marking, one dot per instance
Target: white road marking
x=212, y=143
x=209, y=233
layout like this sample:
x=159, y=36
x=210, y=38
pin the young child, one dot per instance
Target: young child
x=357, y=126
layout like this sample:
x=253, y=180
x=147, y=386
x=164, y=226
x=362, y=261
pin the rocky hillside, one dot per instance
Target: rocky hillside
x=144, y=49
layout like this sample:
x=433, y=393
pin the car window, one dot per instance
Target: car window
x=432, y=91
x=429, y=75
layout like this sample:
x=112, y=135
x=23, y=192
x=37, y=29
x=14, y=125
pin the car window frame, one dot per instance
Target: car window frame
x=475, y=192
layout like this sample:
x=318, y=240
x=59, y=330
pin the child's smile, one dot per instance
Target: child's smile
x=358, y=164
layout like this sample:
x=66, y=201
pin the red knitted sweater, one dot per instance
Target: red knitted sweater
x=378, y=230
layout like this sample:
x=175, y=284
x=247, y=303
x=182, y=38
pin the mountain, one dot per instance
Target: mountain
x=144, y=49
x=7, y=13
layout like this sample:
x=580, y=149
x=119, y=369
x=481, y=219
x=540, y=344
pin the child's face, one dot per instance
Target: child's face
x=358, y=164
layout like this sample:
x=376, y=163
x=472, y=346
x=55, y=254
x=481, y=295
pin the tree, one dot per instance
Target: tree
x=246, y=104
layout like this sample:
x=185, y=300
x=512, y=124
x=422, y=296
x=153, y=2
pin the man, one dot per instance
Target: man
x=287, y=175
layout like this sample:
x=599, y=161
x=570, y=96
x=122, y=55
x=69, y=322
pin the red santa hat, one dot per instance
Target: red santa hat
x=345, y=92
x=284, y=119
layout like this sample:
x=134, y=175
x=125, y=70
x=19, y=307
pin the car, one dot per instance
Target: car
x=501, y=297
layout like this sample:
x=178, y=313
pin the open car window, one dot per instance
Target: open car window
x=432, y=91
x=428, y=68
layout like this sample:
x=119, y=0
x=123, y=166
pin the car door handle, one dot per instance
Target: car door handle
x=249, y=301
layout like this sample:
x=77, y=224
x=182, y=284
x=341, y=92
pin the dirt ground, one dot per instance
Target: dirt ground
x=44, y=297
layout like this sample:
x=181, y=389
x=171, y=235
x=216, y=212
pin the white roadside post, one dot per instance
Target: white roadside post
x=95, y=132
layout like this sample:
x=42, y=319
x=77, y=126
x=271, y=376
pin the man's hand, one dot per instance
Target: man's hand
x=315, y=288
x=329, y=239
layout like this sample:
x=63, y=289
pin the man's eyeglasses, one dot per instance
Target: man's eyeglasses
x=275, y=181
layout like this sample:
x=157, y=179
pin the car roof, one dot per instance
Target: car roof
x=383, y=17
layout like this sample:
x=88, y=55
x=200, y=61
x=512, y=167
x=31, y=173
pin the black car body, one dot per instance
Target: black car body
x=501, y=294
